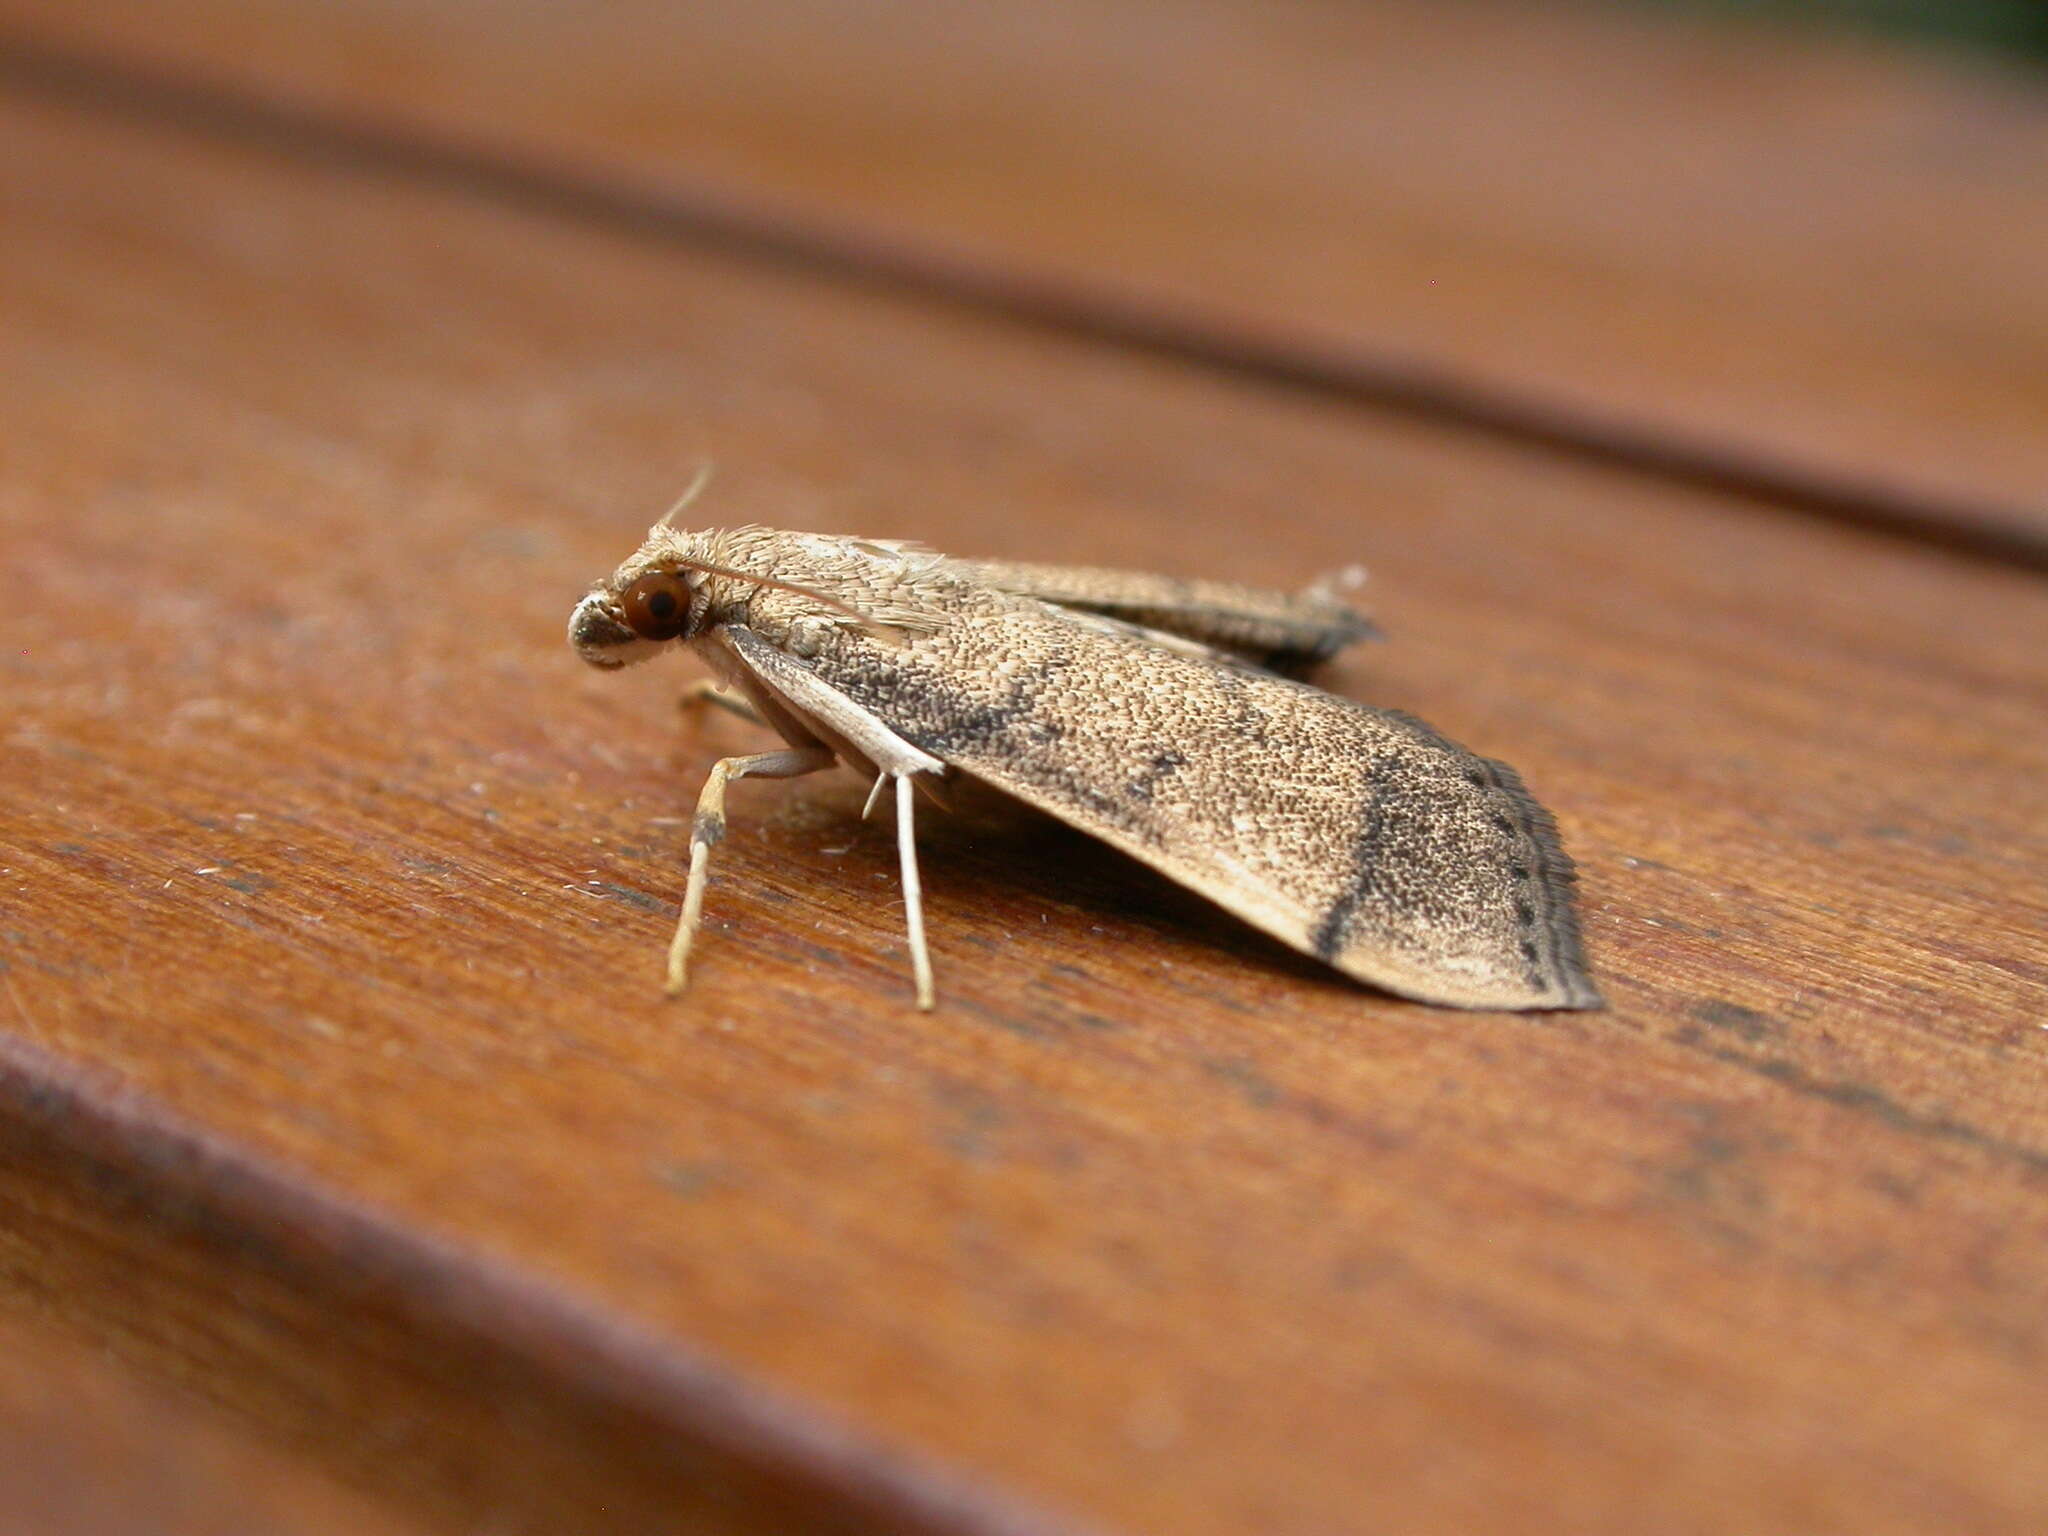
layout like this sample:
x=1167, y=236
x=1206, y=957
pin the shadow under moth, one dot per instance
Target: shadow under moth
x=1154, y=714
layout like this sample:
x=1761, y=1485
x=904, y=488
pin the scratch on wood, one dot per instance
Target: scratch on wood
x=1868, y=1100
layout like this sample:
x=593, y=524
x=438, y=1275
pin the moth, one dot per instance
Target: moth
x=1155, y=714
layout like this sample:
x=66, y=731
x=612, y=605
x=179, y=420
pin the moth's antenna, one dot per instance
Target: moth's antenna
x=697, y=484
x=691, y=562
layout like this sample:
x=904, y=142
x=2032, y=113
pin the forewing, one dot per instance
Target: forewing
x=1357, y=835
x=1286, y=631
x=786, y=690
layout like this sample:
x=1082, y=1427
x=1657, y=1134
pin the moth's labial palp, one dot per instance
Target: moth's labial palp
x=597, y=632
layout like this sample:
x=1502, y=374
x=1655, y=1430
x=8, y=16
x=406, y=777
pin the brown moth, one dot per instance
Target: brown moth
x=1147, y=712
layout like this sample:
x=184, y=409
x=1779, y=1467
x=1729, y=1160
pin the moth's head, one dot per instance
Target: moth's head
x=643, y=607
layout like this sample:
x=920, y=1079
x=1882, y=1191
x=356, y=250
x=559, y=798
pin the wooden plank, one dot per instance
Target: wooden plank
x=90, y=1450
x=1812, y=271
x=463, y=1392
x=335, y=889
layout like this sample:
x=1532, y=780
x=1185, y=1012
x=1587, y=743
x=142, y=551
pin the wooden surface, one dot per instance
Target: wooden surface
x=1756, y=259
x=69, y=1417
x=335, y=1085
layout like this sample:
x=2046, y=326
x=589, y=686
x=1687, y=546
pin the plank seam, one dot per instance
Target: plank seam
x=260, y=1213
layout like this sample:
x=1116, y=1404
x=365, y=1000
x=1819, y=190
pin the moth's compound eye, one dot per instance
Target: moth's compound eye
x=657, y=606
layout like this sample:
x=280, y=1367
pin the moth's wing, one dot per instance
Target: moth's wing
x=1285, y=631
x=1357, y=835
x=1166, y=639
x=787, y=689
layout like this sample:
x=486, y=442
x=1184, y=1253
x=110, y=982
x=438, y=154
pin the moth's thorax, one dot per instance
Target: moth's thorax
x=798, y=591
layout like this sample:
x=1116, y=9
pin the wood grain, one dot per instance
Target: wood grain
x=1798, y=268
x=335, y=889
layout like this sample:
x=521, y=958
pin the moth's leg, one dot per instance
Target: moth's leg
x=874, y=796
x=913, y=892
x=709, y=826
x=705, y=691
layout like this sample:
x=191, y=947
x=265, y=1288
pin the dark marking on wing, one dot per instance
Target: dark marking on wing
x=1165, y=762
x=1546, y=880
x=1328, y=938
x=964, y=721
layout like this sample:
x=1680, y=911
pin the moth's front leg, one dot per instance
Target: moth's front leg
x=705, y=691
x=709, y=826
x=913, y=888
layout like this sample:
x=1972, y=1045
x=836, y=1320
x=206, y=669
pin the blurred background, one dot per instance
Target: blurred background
x=2017, y=27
